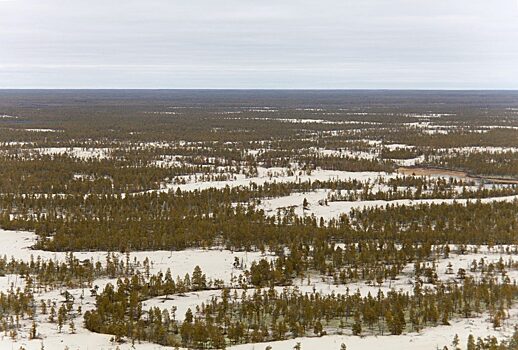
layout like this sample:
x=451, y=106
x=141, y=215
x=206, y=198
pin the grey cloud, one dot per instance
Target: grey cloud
x=261, y=44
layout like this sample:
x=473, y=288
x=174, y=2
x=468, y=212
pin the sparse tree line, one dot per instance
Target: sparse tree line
x=42, y=275
x=417, y=193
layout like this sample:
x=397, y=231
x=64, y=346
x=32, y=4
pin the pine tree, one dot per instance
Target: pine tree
x=52, y=315
x=317, y=329
x=471, y=343
x=72, y=327
x=188, y=316
x=198, y=280
x=455, y=343
x=33, y=333
x=357, y=325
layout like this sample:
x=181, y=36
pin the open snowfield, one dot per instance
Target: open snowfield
x=215, y=263
x=277, y=174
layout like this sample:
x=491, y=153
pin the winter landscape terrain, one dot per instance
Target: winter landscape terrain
x=258, y=220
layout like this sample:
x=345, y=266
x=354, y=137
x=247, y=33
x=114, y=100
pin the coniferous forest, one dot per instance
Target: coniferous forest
x=223, y=219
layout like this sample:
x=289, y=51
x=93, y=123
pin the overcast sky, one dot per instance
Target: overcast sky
x=457, y=44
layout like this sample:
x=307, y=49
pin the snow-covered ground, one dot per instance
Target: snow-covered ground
x=474, y=149
x=78, y=152
x=409, y=162
x=43, y=130
x=333, y=210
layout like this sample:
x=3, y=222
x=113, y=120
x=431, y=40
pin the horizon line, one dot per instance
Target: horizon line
x=249, y=89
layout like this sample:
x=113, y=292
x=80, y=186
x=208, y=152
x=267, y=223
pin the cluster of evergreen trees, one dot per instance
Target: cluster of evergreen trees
x=176, y=220
x=269, y=314
x=487, y=343
x=503, y=164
